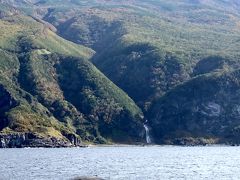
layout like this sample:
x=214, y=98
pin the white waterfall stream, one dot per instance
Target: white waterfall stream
x=148, y=137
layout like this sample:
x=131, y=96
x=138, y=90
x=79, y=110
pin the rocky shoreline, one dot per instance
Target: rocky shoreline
x=32, y=140
x=21, y=140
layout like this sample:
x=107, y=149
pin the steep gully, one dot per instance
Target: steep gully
x=146, y=126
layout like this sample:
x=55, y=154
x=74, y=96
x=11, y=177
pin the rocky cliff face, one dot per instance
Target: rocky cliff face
x=20, y=140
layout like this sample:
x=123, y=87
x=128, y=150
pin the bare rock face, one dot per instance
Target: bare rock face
x=13, y=140
x=20, y=140
x=74, y=140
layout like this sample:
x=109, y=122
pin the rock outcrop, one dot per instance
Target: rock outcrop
x=20, y=140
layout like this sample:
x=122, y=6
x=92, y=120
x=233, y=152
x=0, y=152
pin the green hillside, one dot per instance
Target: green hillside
x=149, y=47
x=205, y=107
x=173, y=63
x=50, y=89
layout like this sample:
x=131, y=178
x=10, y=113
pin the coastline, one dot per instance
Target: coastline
x=31, y=140
x=120, y=146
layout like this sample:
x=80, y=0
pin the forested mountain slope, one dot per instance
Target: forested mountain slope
x=175, y=59
x=51, y=89
x=149, y=47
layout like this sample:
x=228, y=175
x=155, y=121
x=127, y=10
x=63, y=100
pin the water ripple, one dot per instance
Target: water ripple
x=121, y=163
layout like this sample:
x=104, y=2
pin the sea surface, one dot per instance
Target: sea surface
x=124, y=163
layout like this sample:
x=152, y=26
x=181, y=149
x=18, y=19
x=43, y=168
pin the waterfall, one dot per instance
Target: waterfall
x=148, y=138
